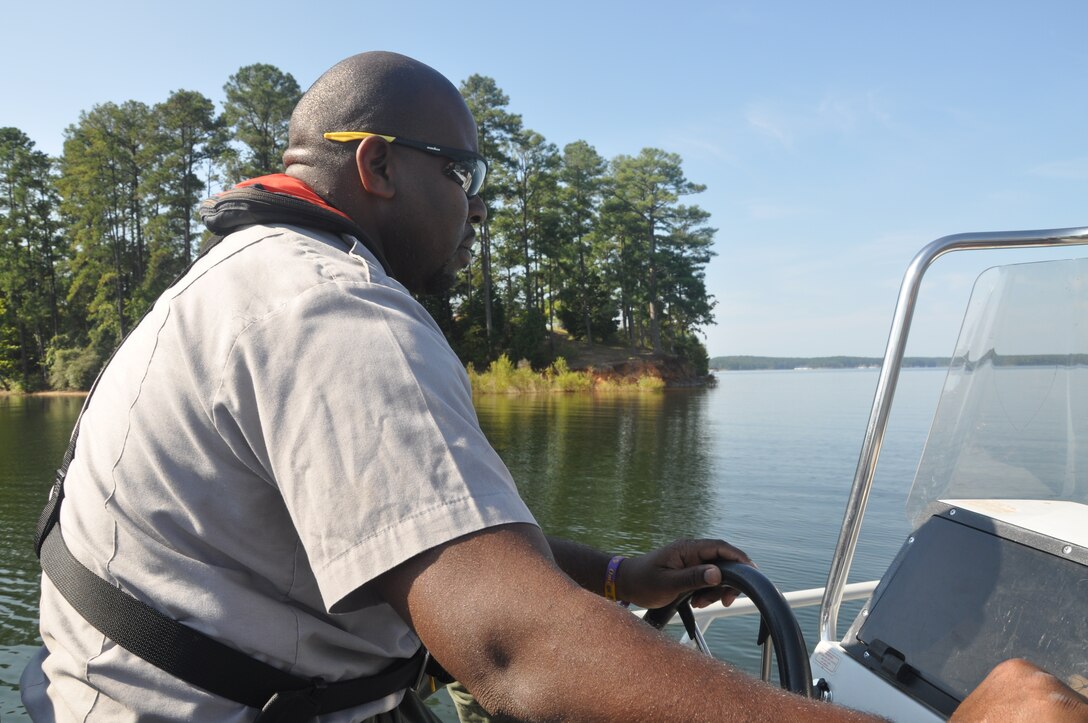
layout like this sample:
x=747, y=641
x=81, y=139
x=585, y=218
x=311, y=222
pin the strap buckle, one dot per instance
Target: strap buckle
x=422, y=670
x=292, y=706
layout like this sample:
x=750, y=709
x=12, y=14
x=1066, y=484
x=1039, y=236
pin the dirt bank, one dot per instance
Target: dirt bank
x=622, y=364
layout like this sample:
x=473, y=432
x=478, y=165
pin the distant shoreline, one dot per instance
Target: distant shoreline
x=763, y=363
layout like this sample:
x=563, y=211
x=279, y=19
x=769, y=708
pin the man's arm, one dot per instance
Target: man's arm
x=530, y=644
x=499, y=615
x=1016, y=691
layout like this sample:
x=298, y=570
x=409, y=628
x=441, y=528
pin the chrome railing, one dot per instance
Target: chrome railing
x=834, y=592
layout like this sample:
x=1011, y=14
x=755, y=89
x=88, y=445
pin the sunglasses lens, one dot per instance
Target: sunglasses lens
x=477, y=178
x=470, y=174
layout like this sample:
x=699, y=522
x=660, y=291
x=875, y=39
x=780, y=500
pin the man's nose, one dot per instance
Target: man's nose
x=477, y=211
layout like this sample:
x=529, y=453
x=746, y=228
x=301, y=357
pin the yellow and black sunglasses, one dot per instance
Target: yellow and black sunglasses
x=467, y=168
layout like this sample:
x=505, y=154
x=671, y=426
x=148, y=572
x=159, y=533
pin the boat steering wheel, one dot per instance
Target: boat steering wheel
x=794, y=673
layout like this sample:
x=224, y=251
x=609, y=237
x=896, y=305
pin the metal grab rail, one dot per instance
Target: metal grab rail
x=796, y=599
x=885, y=391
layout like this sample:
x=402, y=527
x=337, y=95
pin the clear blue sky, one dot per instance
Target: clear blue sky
x=835, y=138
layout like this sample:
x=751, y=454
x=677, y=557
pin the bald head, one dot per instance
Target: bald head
x=380, y=92
x=407, y=202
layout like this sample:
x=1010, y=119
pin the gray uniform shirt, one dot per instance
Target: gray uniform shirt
x=284, y=426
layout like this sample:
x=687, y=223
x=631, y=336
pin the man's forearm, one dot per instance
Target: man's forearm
x=533, y=646
x=596, y=662
x=582, y=563
x=636, y=651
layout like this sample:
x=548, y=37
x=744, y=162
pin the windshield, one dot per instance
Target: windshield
x=1015, y=401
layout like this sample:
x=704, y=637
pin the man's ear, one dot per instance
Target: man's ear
x=372, y=159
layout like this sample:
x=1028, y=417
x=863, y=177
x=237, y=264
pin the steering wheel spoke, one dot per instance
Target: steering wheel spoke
x=781, y=624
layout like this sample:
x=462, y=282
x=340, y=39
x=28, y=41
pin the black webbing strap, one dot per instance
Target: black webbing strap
x=198, y=659
x=203, y=661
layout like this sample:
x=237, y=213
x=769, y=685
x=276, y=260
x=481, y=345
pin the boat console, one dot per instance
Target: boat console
x=967, y=591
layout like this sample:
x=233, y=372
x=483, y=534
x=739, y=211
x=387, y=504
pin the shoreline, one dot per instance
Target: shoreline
x=539, y=383
x=48, y=393
x=646, y=374
x=636, y=374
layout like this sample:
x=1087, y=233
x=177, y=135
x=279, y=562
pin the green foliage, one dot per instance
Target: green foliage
x=650, y=384
x=72, y=368
x=107, y=207
x=690, y=349
x=563, y=379
x=580, y=244
x=260, y=99
x=466, y=330
x=529, y=337
x=503, y=377
x=588, y=306
x=9, y=353
x=663, y=246
x=572, y=241
x=31, y=249
x=495, y=125
x=189, y=137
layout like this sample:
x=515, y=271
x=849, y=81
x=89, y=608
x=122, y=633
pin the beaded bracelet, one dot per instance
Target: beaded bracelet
x=610, y=579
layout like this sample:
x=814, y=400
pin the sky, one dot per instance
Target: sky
x=835, y=139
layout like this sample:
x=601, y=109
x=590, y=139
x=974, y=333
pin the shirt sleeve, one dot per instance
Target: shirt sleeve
x=361, y=415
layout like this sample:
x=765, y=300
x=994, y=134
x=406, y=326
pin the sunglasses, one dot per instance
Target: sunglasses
x=467, y=168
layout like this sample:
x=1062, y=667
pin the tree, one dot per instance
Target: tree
x=105, y=206
x=495, y=127
x=522, y=231
x=615, y=231
x=188, y=135
x=30, y=252
x=684, y=254
x=667, y=237
x=529, y=194
x=585, y=298
x=257, y=110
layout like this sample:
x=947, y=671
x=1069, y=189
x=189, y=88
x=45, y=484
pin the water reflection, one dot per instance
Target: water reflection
x=33, y=436
x=624, y=472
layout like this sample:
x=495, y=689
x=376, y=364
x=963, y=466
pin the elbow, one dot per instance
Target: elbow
x=516, y=693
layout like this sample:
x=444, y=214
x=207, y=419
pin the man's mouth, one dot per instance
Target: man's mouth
x=467, y=242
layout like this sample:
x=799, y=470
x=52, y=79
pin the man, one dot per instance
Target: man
x=284, y=457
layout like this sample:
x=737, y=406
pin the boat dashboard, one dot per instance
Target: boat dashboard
x=969, y=590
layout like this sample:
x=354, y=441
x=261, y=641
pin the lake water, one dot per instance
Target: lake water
x=764, y=460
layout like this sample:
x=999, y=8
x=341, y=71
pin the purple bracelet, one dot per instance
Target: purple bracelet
x=610, y=580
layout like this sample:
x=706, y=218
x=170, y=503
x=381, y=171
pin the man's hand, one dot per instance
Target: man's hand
x=659, y=577
x=1016, y=690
